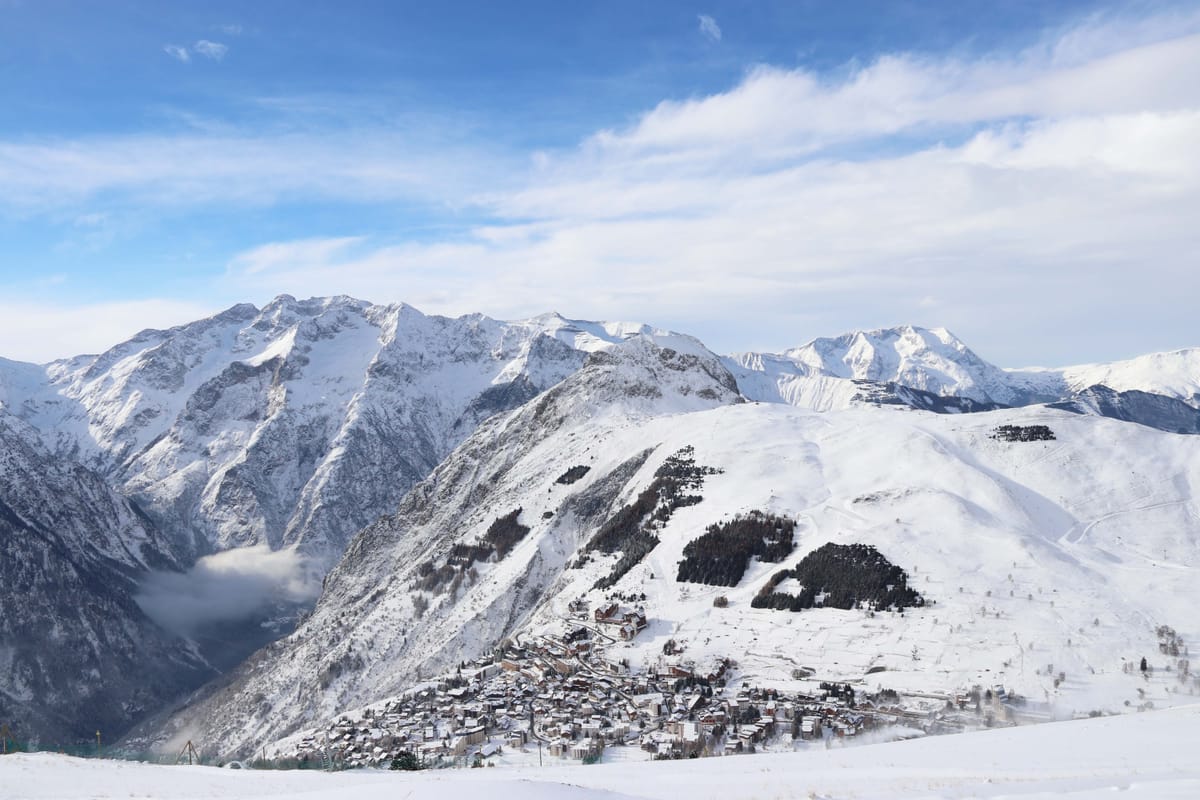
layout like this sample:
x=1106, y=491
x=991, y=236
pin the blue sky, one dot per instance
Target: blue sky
x=755, y=173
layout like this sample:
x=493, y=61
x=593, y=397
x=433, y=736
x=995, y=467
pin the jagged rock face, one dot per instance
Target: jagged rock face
x=291, y=426
x=294, y=425
x=368, y=635
x=76, y=652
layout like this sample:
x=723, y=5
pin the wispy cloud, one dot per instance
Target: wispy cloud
x=230, y=29
x=709, y=28
x=297, y=255
x=1069, y=167
x=43, y=331
x=196, y=169
x=1041, y=190
x=214, y=50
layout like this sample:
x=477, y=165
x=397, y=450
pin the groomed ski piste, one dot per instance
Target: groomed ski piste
x=1145, y=755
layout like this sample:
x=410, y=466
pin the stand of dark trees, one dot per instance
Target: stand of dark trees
x=843, y=690
x=502, y=535
x=1023, y=433
x=720, y=555
x=573, y=474
x=843, y=576
x=632, y=530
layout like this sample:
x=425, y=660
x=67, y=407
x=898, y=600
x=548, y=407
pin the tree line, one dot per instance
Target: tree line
x=632, y=531
x=841, y=576
x=721, y=555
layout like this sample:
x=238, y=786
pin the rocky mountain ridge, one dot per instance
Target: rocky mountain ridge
x=273, y=426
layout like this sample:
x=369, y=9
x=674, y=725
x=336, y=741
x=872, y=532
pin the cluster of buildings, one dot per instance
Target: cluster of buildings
x=564, y=696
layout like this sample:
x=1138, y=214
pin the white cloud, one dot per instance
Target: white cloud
x=156, y=171
x=43, y=331
x=709, y=28
x=1043, y=192
x=214, y=50
x=177, y=52
x=231, y=29
x=1043, y=196
x=233, y=585
x=297, y=255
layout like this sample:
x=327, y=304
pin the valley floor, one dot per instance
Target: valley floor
x=1142, y=755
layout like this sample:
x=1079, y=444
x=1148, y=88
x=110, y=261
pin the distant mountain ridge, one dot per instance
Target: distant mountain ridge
x=939, y=368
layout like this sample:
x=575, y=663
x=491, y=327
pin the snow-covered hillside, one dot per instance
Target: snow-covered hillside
x=1144, y=756
x=1036, y=555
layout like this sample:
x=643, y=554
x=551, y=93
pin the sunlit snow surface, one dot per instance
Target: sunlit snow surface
x=1149, y=755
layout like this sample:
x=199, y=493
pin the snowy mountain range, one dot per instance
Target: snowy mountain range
x=330, y=426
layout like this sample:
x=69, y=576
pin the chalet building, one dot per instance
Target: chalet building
x=608, y=614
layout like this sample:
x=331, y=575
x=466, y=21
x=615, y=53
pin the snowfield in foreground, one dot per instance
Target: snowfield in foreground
x=1148, y=755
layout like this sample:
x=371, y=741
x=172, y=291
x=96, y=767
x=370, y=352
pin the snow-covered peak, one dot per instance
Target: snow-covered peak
x=19, y=382
x=676, y=371
x=1173, y=374
x=588, y=335
x=933, y=360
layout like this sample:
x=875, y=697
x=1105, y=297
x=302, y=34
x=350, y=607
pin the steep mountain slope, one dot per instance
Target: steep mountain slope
x=1035, y=555
x=297, y=424
x=76, y=652
x=293, y=425
x=334, y=661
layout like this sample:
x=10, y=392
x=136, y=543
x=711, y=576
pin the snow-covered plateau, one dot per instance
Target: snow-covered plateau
x=1150, y=756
